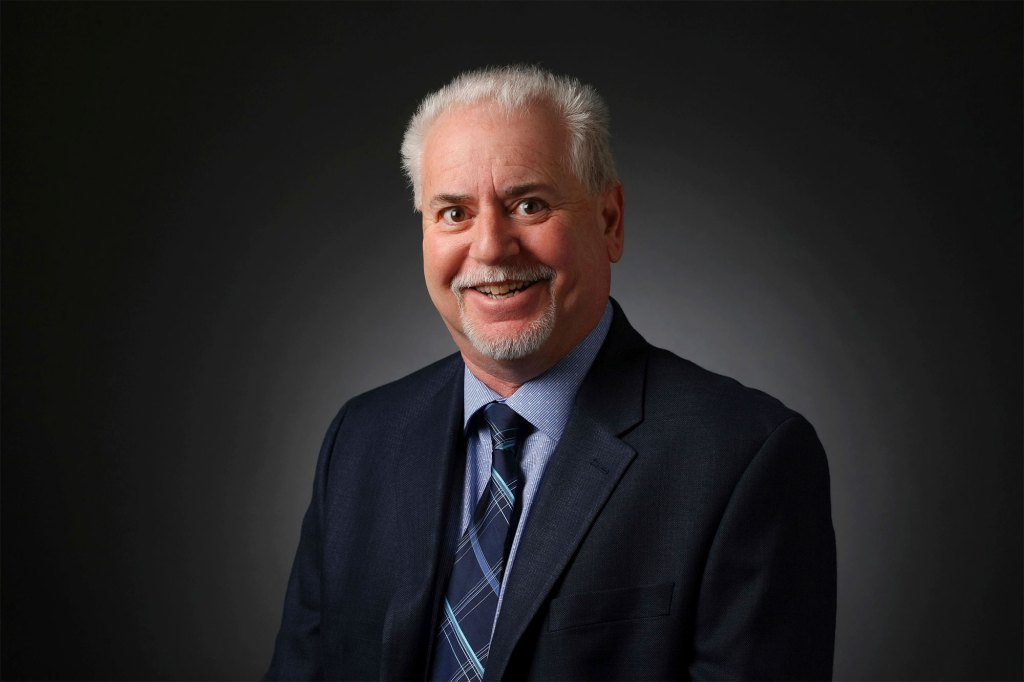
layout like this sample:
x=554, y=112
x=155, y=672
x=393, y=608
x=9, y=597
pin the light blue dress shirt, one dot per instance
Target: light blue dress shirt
x=545, y=402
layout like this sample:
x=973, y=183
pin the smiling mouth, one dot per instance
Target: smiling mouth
x=503, y=290
x=500, y=283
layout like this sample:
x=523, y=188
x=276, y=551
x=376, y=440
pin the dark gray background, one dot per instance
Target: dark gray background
x=208, y=247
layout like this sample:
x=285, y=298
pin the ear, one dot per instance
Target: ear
x=612, y=219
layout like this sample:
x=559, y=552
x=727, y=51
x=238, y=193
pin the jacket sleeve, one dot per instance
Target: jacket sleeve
x=767, y=603
x=297, y=652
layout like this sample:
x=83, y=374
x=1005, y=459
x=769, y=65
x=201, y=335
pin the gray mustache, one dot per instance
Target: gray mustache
x=499, y=274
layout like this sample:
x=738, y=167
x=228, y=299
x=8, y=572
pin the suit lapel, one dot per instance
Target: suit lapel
x=428, y=468
x=583, y=472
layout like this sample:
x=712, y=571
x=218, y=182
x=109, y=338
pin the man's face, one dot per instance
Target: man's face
x=516, y=250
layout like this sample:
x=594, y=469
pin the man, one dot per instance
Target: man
x=558, y=500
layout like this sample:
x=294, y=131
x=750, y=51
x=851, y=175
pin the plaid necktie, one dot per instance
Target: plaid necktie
x=467, y=618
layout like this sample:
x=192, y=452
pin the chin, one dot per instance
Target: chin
x=511, y=346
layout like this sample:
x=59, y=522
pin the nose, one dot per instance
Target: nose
x=494, y=237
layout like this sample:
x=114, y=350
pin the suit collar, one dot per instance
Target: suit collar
x=612, y=394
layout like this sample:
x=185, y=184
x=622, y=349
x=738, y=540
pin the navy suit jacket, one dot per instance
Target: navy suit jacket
x=682, y=530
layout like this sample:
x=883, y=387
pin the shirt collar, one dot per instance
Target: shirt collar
x=544, y=401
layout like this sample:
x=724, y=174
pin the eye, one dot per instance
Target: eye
x=530, y=206
x=454, y=214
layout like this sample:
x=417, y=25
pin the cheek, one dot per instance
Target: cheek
x=440, y=262
x=582, y=267
x=568, y=253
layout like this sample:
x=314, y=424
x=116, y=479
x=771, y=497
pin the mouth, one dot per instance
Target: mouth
x=502, y=290
x=501, y=283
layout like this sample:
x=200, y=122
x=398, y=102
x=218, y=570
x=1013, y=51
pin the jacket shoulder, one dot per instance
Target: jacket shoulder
x=680, y=389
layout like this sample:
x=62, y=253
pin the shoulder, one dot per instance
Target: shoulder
x=675, y=390
x=695, y=417
x=681, y=388
x=672, y=397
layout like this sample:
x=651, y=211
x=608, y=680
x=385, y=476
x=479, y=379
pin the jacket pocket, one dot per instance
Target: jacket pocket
x=625, y=603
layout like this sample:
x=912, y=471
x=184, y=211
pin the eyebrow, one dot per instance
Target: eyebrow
x=439, y=200
x=525, y=188
x=444, y=199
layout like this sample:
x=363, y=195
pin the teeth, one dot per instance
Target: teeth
x=501, y=289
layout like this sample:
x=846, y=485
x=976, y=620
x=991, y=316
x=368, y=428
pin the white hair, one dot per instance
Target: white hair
x=515, y=88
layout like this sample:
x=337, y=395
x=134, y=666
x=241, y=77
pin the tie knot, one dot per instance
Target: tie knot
x=506, y=425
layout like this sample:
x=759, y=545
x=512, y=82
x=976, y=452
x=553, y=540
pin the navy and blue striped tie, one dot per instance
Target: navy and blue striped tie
x=470, y=604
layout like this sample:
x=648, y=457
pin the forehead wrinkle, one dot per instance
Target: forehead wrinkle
x=514, y=177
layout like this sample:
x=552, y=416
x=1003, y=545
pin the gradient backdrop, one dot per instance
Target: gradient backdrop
x=208, y=247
